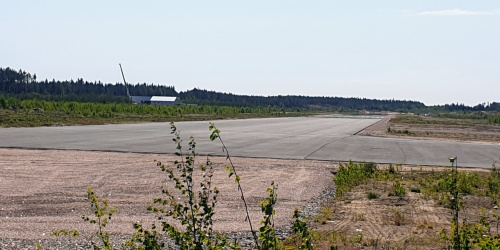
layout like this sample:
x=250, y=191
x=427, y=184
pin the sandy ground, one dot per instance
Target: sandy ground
x=463, y=130
x=43, y=191
x=479, y=134
x=373, y=222
x=482, y=134
x=377, y=129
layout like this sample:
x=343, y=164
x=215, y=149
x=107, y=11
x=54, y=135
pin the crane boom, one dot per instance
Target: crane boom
x=125, y=82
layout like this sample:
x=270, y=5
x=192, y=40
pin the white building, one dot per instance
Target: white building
x=155, y=100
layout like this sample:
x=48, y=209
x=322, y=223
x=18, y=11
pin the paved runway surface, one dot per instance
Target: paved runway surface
x=317, y=138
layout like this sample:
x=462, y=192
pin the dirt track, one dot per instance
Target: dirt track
x=43, y=191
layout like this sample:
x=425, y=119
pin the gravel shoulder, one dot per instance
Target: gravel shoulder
x=45, y=190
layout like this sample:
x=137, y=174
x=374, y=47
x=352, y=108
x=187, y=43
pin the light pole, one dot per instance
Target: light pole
x=454, y=162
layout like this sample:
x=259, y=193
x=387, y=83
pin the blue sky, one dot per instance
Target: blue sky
x=431, y=51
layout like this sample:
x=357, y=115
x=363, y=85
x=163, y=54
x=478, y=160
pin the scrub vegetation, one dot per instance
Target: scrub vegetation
x=30, y=113
x=479, y=126
x=400, y=207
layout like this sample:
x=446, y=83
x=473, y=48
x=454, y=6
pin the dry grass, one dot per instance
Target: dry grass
x=408, y=222
x=443, y=128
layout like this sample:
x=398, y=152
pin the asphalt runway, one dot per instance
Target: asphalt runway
x=310, y=138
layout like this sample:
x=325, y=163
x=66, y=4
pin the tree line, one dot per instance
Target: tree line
x=25, y=86
x=205, y=97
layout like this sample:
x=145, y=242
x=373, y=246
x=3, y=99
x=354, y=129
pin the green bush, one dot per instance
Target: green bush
x=369, y=168
x=351, y=175
x=196, y=209
x=392, y=169
x=468, y=183
x=493, y=185
x=372, y=196
x=399, y=190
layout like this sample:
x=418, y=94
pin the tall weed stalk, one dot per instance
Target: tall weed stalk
x=232, y=171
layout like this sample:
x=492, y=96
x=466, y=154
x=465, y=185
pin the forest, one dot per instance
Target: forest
x=22, y=85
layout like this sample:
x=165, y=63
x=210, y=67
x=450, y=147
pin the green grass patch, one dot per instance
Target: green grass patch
x=353, y=174
x=34, y=113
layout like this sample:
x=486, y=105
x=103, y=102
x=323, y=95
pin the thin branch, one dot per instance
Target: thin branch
x=216, y=134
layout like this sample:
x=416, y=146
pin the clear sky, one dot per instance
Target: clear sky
x=432, y=51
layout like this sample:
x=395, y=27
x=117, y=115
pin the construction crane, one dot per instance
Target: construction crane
x=125, y=82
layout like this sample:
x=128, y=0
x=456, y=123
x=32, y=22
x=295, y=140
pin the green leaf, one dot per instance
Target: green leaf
x=213, y=136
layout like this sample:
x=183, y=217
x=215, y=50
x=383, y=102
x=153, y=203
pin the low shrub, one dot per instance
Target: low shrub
x=353, y=174
x=398, y=189
x=372, y=196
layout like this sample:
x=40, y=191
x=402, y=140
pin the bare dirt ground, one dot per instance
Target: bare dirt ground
x=45, y=190
x=433, y=128
x=375, y=223
x=379, y=128
x=42, y=191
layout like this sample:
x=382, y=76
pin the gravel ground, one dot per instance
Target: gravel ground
x=45, y=190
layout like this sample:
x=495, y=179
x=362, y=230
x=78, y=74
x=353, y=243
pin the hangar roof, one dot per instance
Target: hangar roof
x=163, y=98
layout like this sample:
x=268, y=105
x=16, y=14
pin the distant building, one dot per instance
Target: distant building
x=155, y=100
